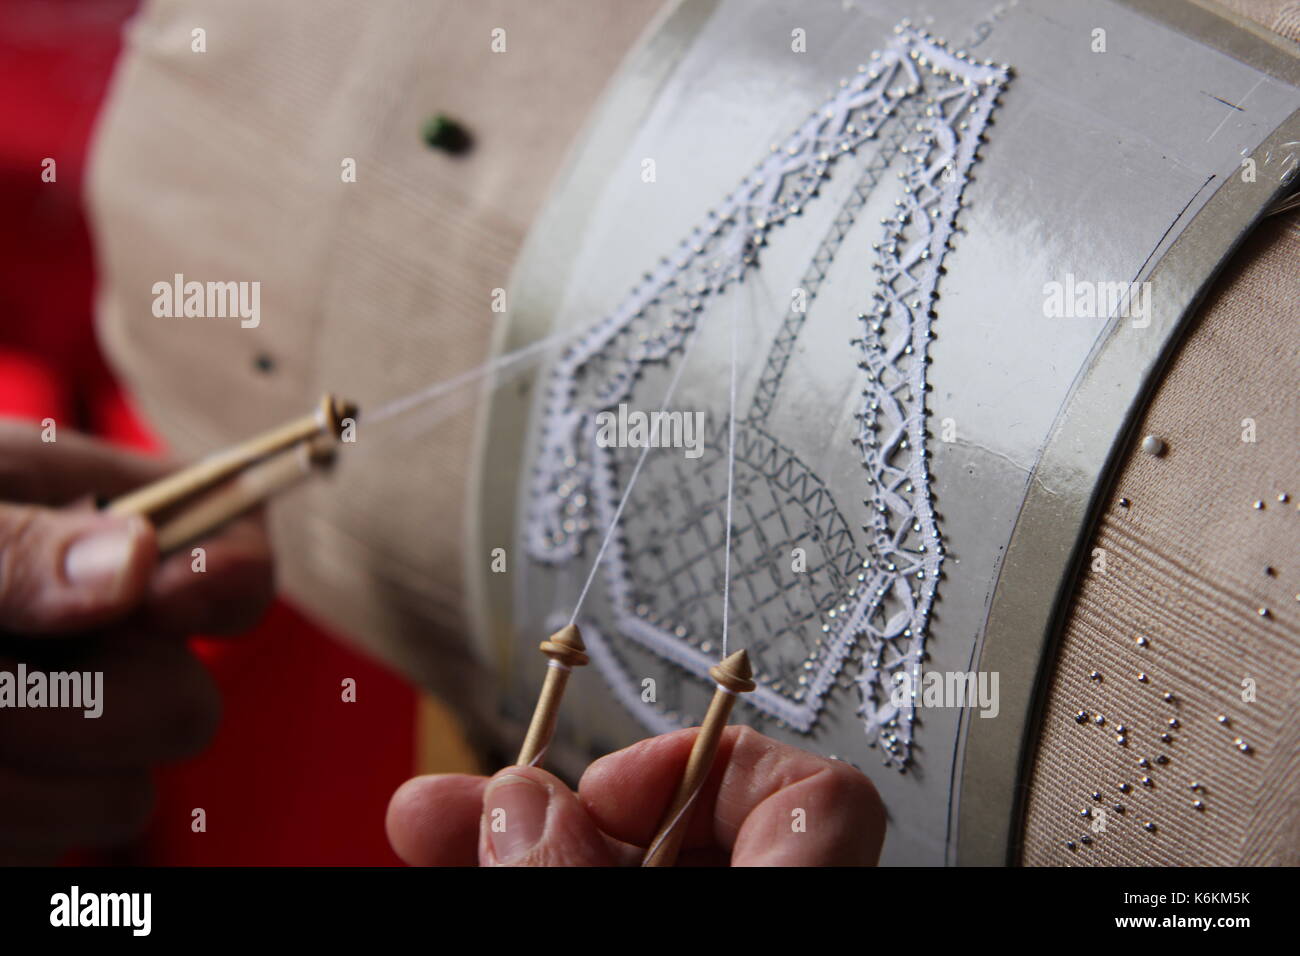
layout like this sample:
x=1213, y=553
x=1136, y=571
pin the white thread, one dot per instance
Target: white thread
x=559, y=667
x=613, y=524
x=421, y=421
x=731, y=477
x=690, y=801
x=677, y=818
x=404, y=404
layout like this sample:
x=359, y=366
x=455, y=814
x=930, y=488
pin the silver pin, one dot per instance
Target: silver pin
x=1153, y=446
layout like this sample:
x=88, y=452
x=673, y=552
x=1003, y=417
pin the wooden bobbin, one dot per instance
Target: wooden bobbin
x=242, y=493
x=199, y=499
x=566, y=651
x=733, y=675
x=326, y=421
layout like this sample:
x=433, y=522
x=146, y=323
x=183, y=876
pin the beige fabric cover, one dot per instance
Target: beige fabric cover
x=226, y=165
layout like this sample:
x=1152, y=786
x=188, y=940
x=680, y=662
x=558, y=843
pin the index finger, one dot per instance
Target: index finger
x=58, y=473
x=764, y=802
x=238, y=582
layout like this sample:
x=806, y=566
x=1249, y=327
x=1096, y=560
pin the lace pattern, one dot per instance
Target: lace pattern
x=918, y=99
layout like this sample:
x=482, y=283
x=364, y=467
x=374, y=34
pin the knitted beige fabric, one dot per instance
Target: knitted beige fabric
x=1281, y=16
x=227, y=165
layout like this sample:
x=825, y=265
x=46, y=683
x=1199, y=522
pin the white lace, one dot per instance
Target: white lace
x=948, y=98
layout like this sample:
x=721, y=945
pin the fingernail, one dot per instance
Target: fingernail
x=514, y=808
x=100, y=557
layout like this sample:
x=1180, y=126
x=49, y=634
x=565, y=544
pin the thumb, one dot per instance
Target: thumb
x=66, y=570
x=530, y=818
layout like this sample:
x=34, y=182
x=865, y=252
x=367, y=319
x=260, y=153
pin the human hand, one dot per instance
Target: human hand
x=747, y=814
x=84, y=592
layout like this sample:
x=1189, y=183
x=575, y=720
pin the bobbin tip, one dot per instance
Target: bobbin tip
x=334, y=411
x=734, y=673
x=566, y=646
x=319, y=453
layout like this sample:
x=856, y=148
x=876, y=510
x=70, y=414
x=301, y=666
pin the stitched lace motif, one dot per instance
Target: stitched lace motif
x=915, y=98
